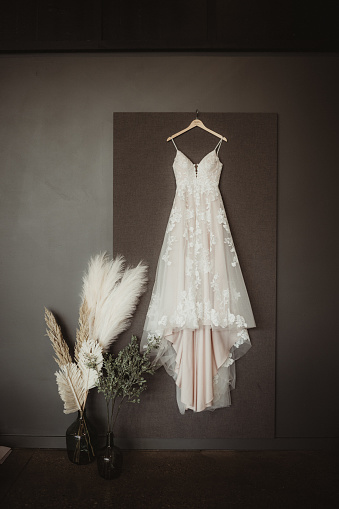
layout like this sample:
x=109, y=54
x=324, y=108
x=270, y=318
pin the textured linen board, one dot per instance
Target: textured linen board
x=143, y=193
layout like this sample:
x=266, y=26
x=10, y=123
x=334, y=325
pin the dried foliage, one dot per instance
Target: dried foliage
x=74, y=380
x=59, y=344
x=82, y=333
x=71, y=387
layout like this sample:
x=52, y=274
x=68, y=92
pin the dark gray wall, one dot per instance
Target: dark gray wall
x=56, y=211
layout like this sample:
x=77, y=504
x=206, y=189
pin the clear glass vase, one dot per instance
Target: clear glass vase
x=109, y=459
x=81, y=440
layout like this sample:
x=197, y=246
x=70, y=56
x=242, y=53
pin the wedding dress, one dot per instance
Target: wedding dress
x=199, y=307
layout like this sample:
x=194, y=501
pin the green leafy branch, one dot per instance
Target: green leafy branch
x=122, y=377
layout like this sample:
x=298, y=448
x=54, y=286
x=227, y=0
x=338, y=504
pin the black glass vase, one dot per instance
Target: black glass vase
x=81, y=440
x=109, y=459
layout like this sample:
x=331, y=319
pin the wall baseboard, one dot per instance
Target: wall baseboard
x=295, y=443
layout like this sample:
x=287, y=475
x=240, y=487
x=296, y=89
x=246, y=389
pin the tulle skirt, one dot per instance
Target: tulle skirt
x=199, y=307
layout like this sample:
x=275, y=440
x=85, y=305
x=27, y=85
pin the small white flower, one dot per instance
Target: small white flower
x=90, y=355
x=152, y=341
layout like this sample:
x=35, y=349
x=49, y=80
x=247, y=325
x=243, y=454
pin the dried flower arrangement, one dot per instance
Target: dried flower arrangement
x=109, y=298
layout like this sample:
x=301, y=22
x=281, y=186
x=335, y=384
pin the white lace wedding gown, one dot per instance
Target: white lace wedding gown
x=199, y=306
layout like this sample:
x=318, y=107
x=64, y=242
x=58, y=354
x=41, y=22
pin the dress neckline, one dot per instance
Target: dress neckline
x=197, y=165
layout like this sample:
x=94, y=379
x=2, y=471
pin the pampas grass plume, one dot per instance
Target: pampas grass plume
x=54, y=333
x=111, y=292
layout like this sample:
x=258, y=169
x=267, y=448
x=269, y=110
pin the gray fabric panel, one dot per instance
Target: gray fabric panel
x=143, y=192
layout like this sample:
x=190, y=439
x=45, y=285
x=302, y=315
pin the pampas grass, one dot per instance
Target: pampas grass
x=110, y=295
x=59, y=344
x=111, y=292
x=74, y=380
x=82, y=333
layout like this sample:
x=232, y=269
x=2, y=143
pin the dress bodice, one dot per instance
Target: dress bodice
x=201, y=178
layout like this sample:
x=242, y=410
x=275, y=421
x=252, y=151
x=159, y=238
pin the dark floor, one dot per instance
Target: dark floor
x=45, y=478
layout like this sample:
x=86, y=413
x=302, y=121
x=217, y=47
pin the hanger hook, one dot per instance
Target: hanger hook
x=196, y=113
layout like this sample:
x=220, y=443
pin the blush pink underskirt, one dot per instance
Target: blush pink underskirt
x=199, y=355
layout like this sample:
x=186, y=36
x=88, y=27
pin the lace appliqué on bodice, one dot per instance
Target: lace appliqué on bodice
x=191, y=223
x=196, y=179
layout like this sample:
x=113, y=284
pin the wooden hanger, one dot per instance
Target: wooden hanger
x=196, y=123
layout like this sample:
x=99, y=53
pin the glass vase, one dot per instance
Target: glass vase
x=81, y=440
x=109, y=459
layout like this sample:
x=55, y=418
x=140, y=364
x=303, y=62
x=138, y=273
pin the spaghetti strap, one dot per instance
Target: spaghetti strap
x=218, y=146
x=174, y=144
